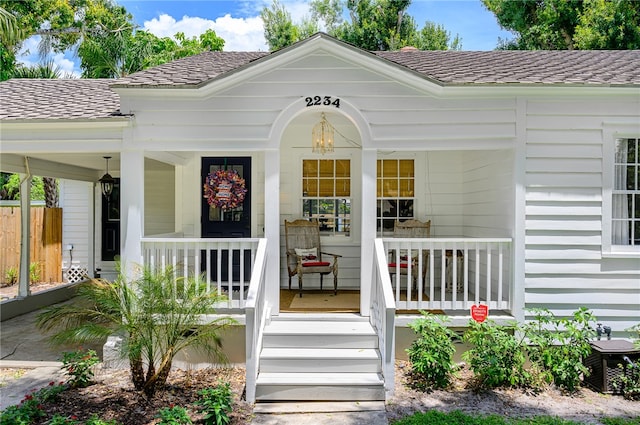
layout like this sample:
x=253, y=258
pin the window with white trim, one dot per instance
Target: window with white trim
x=625, y=203
x=326, y=194
x=395, y=193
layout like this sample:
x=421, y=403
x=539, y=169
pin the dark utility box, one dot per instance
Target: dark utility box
x=603, y=364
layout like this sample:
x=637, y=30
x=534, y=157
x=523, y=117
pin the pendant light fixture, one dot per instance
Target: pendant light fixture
x=107, y=182
x=322, y=136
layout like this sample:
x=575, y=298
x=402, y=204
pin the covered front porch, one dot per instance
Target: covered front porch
x=482, y=272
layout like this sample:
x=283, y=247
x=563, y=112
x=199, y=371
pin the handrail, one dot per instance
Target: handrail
x=382, y=315
x=257, y=313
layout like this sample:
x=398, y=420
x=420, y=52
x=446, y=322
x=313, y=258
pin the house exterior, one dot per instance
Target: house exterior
x=523, y=161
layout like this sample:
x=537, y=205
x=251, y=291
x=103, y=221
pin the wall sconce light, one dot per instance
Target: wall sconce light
x=107, y=182
x=322, y=136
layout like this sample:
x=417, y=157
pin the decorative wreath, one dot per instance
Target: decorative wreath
x=224, y=189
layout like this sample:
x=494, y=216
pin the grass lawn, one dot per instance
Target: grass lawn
x=458, y=418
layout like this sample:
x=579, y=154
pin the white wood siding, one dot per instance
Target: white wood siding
x=77, y=222
x=564, y=267
x=159, y=198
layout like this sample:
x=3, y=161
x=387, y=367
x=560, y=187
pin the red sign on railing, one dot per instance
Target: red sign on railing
x=479, y=313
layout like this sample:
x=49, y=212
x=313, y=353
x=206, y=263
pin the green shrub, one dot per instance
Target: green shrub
x=216, y=404
x=78, y=365
x=431, y=353
x=11, y=276
x=497, y=356
x=174, y=415
x=34, y=272
x=558, y=345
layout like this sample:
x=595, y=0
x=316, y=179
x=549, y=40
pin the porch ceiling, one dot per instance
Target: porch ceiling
x=89, y=162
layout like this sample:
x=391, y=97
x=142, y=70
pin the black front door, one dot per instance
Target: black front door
x=230, y=221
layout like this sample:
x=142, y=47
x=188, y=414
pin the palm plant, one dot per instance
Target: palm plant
x=157, y=314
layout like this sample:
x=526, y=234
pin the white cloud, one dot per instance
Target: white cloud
x=240, y=34
x=28, y=56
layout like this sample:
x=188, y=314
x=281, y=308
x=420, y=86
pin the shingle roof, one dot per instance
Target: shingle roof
x=93, y=99
x=562, y=67
x=583, y=67
x=58, y=99
x=192, y=70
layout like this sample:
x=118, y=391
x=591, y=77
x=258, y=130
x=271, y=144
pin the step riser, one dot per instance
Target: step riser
x=323, y=341
x=333, y=365
x=319, y=393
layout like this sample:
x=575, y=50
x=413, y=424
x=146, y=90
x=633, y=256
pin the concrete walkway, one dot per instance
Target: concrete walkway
x=24, y=346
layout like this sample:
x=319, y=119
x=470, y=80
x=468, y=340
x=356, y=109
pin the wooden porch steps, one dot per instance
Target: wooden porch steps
x=319, y=357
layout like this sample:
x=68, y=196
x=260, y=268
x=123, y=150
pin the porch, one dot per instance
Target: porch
x=480, y=268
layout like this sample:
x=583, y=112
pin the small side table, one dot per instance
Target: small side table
x=603, y=363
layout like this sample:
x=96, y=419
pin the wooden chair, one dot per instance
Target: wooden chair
x=304, y=253
x=410, y=229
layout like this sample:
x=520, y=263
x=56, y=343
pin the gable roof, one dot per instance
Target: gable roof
x=94, y=99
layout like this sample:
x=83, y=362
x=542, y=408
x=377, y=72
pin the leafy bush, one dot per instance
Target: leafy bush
x=34, y=272
x=11, y=276
x=431, y=353
x=216, y=404
x=79, y=366
x=558, y=345
x=497, y=357
x=174, y=415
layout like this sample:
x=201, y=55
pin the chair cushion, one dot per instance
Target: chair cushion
x=402, y=265
x=316, y=264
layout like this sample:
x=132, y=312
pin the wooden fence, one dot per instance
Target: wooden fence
x=46, y=242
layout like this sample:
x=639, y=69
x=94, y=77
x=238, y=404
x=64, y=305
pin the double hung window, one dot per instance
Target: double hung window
x=326, y=194
x=395, y=193
x=625, y=214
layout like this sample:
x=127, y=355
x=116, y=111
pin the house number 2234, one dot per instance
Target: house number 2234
x=322, y=100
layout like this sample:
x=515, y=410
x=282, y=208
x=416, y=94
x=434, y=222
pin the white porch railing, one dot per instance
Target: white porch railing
x=382, y=315
x=257, y=314
x=450, y=273
x=225, y=264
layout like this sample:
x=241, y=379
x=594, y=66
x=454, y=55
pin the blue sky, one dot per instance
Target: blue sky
x=238, y=22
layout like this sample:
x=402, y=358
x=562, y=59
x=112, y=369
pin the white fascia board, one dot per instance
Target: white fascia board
x=57, y=124
x=538, y=91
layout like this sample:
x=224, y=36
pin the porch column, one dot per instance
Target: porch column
x=131, y=209
x=368, y=226
x=24, y=289
x=272, y=226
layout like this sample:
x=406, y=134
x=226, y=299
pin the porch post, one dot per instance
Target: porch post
x=24, y=289
x=368, y=229
x=272, y=227
x=131, y=209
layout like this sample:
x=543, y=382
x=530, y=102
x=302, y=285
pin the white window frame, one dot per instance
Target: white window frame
x=414, y=198
x=612, y=133
x=337, y=236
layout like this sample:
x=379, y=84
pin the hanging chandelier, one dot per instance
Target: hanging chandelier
x=322, y=136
